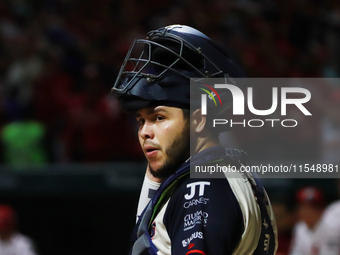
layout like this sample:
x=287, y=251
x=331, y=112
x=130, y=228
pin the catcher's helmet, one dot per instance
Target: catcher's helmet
x=157, y=70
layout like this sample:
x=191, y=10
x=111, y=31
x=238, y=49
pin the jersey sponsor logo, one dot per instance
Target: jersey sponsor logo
x=195, y=251
x=193, y=186
x=192, y=219
x=193, y=202
x=196, y=235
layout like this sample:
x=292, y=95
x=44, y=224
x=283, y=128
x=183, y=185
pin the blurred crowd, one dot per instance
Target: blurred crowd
x=59, y=59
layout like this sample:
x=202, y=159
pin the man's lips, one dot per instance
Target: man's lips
x=150, y=151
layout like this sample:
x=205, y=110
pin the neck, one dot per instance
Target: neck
x=204, y=143
x=153, y=178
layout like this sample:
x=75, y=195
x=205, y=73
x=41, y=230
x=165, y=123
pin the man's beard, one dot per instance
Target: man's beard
x=178, y=152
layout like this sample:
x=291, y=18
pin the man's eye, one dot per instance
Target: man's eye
x=160, y=118
x=141, y=121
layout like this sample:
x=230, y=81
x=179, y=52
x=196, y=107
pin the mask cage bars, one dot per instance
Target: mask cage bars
x=140, y=64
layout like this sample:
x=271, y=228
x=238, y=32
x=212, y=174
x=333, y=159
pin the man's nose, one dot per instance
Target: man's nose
x=147, y=131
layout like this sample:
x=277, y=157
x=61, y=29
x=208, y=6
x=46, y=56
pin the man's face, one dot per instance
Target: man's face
x=164, y=135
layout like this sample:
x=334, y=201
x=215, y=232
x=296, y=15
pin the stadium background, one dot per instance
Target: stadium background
x=58, y=61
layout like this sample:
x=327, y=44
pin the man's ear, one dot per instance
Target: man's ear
x=199, y=121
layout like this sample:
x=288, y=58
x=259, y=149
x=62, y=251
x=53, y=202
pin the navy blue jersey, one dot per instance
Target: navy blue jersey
x=228, y=215
x=204, y=216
